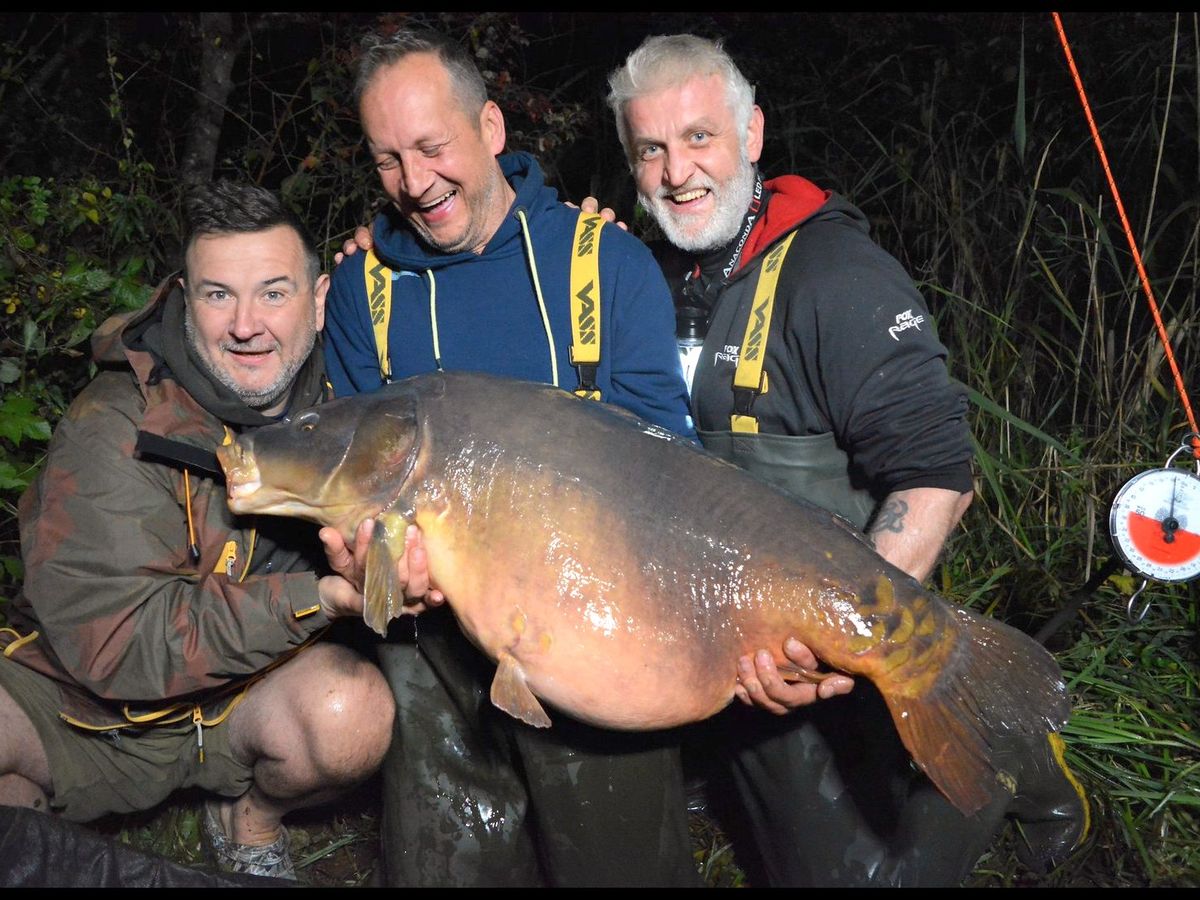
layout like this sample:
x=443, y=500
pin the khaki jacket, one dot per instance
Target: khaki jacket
x=144, y=596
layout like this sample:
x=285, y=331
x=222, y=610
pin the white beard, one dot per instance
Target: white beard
x=731, y=200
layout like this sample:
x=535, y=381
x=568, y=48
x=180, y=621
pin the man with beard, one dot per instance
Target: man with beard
x=820, y=372
x=158, y=641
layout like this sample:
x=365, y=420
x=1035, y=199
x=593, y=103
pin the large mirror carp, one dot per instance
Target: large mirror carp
x=617, y=572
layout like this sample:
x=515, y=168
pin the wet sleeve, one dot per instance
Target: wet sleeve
x=350, y=357
x=890, y=397
x=109, y=580
x=647, y=378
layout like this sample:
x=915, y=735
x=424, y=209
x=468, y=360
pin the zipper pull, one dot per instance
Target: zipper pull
x=198, y=718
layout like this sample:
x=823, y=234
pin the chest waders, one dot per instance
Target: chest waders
x=812, y=466
x=474, y=798
x=827, y=793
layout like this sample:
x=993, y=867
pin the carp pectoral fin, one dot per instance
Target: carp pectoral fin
x=511, y=694
x=382, y=595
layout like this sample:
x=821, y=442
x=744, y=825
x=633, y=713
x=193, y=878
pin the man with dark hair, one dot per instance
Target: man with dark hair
x=475, y=267
x=160, y=642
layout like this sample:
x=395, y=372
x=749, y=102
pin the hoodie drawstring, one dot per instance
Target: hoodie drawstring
x=537, y=290
x=437, y=344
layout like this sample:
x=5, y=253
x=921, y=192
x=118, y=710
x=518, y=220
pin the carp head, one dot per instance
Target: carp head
x=334, y=464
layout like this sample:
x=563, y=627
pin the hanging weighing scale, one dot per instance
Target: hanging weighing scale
x=1154, y=524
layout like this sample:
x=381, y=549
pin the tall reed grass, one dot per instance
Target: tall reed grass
x=992, y=196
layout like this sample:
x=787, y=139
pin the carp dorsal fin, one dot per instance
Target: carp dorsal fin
x=511, y=694
x=382, y=595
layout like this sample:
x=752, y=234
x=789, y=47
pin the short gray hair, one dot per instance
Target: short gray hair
x=668, y=60
x=379, y=52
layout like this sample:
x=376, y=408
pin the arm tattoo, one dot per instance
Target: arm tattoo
x=890, y=517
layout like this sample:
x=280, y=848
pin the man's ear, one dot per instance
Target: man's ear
x=754, y=135
x=491, y=126
x=320, y=289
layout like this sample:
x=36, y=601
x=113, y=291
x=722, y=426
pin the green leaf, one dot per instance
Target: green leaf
x=87, y=281
x=10, y=479
x=80, y=333
x=18, y=420
x=1019, y=134
x=130, y=294
x=12, y=566
x=133, y=266
x=990, y=406
x=31, y=336
x=9, y=371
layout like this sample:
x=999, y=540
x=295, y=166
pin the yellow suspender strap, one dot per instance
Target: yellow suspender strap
x=750, y=380
x=585, y=304
x=379, y=301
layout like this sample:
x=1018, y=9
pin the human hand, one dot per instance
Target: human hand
x=412, y=572
x=412, y=568
x=362, y=240
x=592, y=205
x=761, y=684
x=338, y=597
x=349, y=563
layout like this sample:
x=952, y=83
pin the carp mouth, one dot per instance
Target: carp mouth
x=244, y=489
x=242, y=479
x=246, y=494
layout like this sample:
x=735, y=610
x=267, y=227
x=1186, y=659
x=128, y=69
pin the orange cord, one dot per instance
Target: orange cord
x=1137, y=257
x=193, y=548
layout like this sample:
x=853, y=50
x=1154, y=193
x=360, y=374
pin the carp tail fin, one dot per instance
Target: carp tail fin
x=997, y=681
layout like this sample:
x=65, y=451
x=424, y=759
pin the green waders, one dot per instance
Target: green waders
x=473, y=797
x=827, y=795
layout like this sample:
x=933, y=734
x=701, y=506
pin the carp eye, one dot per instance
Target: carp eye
x=307, y=421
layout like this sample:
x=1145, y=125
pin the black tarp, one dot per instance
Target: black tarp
x=40, y=850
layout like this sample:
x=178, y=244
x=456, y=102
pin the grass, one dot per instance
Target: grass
x=971, y=158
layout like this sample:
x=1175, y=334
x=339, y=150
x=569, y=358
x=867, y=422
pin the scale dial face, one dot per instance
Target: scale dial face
x=1155, y=524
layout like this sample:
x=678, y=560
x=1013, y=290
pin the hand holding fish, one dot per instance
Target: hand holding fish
x=412, y=568
x=761, y=684
x=619, y=573
x=338, y=597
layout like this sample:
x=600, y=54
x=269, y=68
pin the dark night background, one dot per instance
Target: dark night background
x=961, y=137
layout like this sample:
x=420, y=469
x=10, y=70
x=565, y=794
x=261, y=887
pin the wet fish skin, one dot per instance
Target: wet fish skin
x=617, y=572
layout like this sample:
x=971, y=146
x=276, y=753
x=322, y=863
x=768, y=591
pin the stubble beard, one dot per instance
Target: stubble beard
x=266, y=397
x=480, y=212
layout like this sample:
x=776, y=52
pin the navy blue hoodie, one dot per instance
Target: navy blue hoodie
x=487, y=313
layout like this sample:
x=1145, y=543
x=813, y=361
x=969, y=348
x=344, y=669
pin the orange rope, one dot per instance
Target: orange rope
x=1137, y=257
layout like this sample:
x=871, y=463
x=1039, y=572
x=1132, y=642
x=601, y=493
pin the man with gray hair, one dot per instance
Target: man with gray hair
x=820, y=372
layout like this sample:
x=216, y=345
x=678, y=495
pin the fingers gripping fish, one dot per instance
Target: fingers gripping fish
x=617, y=572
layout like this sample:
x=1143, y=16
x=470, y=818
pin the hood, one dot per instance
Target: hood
x=399, y=247
x=792, y=200
x=152, y=341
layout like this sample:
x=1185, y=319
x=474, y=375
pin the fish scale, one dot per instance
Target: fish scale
x=617, y=572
